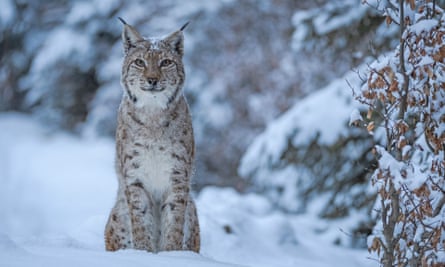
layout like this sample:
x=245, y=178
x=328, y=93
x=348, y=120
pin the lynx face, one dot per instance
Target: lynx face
x=153, y=72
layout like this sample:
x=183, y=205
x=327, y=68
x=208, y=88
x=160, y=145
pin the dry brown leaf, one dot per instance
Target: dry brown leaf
x=388, y=20
x=370, y=126
x=412, y=4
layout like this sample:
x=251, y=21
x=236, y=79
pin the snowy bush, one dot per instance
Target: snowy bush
x=405, y=95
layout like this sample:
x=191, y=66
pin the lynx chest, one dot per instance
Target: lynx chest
x=151, y=164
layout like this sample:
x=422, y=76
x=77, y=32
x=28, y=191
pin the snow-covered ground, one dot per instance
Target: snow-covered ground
x=56, y=191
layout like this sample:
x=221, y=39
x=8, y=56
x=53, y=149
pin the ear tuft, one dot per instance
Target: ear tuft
x=129, y=36
x=184, y=26
x=176, y=40
x=122, y=20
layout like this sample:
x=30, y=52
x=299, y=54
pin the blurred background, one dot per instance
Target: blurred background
x=269, y=83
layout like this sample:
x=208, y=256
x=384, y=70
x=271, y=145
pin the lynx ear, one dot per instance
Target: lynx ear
x=129, y=36
x=176, y=41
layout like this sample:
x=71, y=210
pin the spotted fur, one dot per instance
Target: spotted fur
x=154, y=210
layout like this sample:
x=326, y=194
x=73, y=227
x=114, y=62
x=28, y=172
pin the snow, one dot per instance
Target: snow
x=57, y=190
x=67, y=256
x=321, y=21
x=425, y=25
x=325, y=24
x=355, y=117
x=415, y=178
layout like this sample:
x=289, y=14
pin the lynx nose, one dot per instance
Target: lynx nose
x=152, y=81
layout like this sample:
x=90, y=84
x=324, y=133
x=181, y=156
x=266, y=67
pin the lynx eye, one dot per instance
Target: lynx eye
x=139, y=62
x=166, y=62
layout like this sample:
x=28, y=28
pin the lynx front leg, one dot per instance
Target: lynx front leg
x=192, y=238
x=172, y=222
x=142, y=218
x=117, y=231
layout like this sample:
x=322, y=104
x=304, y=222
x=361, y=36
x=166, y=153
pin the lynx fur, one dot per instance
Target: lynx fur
x=154, y=150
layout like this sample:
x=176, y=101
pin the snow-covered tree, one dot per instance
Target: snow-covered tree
x=405, y=95
x=309, y=159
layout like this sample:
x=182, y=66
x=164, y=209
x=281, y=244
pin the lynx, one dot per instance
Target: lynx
x=154, y=210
